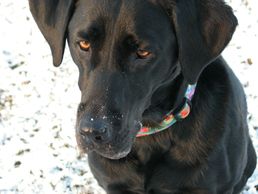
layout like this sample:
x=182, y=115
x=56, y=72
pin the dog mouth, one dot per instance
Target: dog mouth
x=113, y=152
x=118, y=148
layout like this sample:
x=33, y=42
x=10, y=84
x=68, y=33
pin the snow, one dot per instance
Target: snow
x=38, y=102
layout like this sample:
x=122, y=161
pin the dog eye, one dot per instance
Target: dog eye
x=84, y=45
x=142, y=54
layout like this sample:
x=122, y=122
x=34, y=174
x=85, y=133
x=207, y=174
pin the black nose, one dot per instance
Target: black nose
x=97, y=130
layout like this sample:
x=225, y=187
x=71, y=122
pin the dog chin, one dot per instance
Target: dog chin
x=114, y=156
x=109, y=154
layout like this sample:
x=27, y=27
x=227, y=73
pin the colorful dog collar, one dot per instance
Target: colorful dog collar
x=172, y=117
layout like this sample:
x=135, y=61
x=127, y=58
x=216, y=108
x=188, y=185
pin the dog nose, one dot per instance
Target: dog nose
x=98, y=131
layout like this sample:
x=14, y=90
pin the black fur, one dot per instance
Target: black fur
x=209, y=152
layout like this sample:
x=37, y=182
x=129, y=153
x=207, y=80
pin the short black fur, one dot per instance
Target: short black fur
x=209, y=152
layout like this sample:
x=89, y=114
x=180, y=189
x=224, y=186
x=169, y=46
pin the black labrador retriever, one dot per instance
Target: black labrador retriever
x=161, y=112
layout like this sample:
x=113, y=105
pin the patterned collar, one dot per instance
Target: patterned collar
x=172, y=117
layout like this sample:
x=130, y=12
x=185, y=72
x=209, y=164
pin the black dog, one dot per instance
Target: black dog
x=137, y=58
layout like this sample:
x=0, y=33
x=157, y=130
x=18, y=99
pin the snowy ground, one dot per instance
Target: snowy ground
x=38, y=103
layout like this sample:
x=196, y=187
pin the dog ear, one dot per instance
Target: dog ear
x=203, y=29
x=52, y=17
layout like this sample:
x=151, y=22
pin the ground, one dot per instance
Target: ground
x=38, y=103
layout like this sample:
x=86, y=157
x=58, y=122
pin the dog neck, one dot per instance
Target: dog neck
x=160, y=117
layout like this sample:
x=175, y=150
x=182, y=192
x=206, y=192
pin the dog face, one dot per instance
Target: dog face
x=125, y=51
x=120, y=70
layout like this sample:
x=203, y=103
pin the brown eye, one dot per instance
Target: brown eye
x=84, y=45
x=142, y=54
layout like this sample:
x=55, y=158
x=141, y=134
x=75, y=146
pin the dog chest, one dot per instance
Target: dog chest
x=130, y=176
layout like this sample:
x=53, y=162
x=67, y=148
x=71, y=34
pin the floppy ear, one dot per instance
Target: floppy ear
x=203, y=29
x=52, y=17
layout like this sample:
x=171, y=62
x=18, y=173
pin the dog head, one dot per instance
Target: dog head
x=126, y=51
